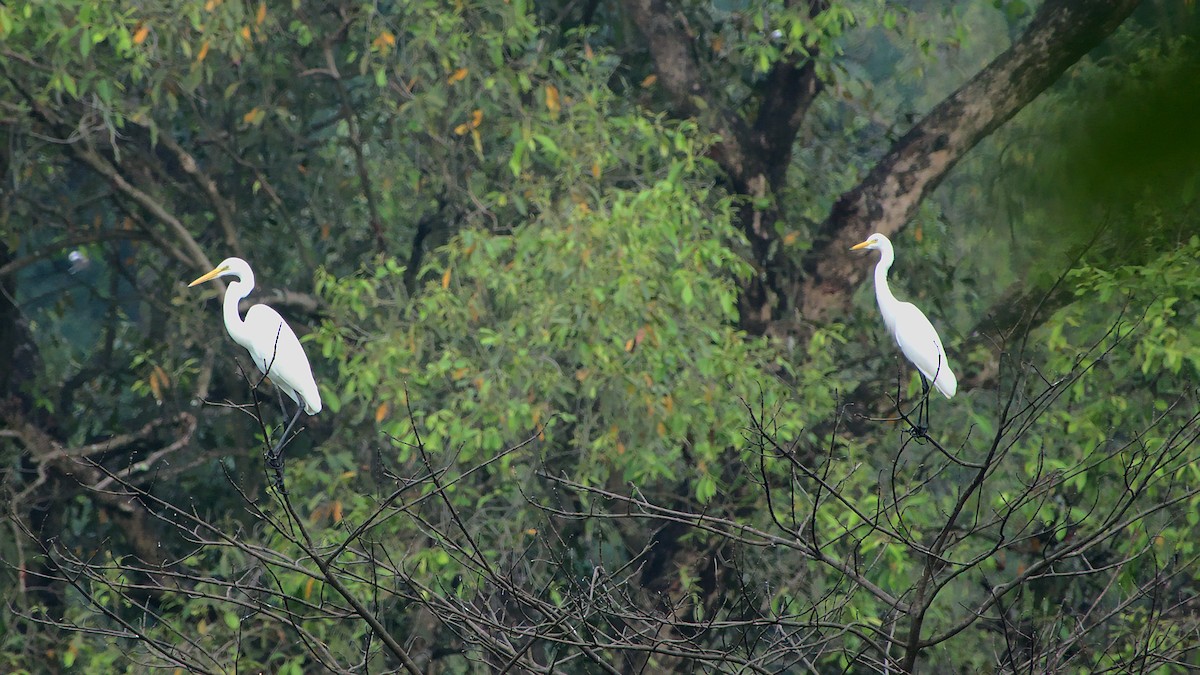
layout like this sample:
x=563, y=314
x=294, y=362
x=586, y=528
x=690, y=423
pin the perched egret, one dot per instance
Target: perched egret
x=913, y=333
x=273, y=346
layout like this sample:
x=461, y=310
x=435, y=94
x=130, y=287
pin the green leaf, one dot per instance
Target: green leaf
x=706, y=489
x=331, y=400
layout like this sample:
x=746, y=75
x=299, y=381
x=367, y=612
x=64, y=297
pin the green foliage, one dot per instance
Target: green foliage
x=609, y=327
x=1120, y=170
x=513, y=244
x=1150, y=301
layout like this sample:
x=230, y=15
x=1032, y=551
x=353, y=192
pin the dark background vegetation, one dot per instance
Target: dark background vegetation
x=605, y=391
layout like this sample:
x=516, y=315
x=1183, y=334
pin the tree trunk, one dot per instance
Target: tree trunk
x=1060, y=34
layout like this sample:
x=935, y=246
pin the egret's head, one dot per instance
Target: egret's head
x=229, y=266
x=873, y=242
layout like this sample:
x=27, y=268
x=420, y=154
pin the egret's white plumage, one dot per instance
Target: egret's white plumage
x=913, y=333
x=273, y=346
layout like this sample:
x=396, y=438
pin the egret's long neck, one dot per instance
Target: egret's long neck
x=883, y=293
x=233, y=321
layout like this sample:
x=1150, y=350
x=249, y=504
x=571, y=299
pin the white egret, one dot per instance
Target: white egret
x=917, y=338
x=273, y=347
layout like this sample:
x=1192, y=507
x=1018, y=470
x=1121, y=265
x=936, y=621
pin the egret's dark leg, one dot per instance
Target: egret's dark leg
x=282, y=405
x=278, y=447
x=275, y=454
x=923, y=408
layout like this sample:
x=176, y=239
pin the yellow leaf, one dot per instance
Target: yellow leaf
x=261, y=15
x=245, y=32
x=140, y=36
x=587, y=52
x=552, y=102
x=629, y=345
x=791, y=237
x=582, y=374
x=668, y=403
x=308, y=588
x=385, y=39
x=620, y=448
x=476, y=117
x=203, y=51
x=446, y=279
x=596, y=169
x=459, y=373
x=531, y=531
x=918, y=234
x=478, y=141
x=337, y=511
x=155, y=388
x=650, y=80
x=317, y=513
x=211, y=5
x=461, y=129
x=661, y=428
x=381, y=412
x=253, y=116
x=457, y=76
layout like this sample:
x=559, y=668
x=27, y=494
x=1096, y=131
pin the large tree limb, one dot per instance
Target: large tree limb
x=81, y=146
x=1060, y=33
x=786, y=94
x=12, y=266
x=56, y=461
x=356, y=142
x=747, y=150
x=680, y=76
x=303, y=303
x=754, y=154
x=101, y=166
x=205, y=182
